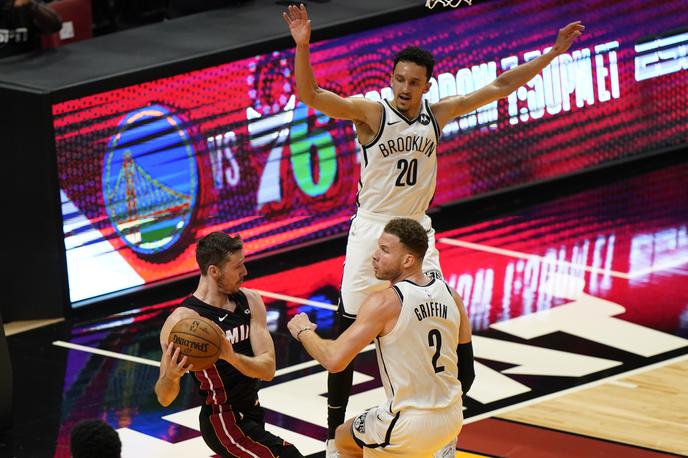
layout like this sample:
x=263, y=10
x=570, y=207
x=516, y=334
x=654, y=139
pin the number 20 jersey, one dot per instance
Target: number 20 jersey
x=399, y=166
x=418, y=359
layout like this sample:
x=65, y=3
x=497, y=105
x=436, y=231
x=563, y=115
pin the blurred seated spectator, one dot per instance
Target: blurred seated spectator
x=94, y=439
x=178, y=8
x=22, y=22
x=77, y=23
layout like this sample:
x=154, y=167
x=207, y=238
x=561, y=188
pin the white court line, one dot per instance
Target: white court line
x=311, y=363
x=521, y=255
x=150, y=362
x=297, y=300
x=284, y=370
x=493, y=413
x=111, y=354
x=657, y=267
x=594, y=383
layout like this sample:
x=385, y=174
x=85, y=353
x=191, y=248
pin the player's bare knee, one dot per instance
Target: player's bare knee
x=344, y=441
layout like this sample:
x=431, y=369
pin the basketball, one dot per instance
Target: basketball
x=198, y=340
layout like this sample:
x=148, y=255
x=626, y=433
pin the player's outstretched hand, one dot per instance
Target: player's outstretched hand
x=567, y=35
x=170, y=364
x=296, y=18
x=298, y=323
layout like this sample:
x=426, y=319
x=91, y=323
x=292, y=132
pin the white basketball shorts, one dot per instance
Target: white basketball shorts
x=408, y=433
x=358, y=280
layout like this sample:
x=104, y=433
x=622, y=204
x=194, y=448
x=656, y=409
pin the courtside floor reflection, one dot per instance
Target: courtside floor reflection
x=560, y=295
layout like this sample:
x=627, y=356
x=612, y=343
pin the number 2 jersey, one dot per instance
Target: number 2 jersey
x=222, y=383
x=399, y=166
x=418, y=360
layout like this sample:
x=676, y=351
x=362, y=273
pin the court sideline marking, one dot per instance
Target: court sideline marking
x=150, y=362
x=613, y=379
x=298, y=300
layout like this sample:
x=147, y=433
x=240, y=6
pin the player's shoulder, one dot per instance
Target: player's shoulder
x=364, y=101
x=175, y=317
x=251, y=294
x=381, y=305
x=254, y=299
x=182, y=312
x=372, y=108
x=388, y=297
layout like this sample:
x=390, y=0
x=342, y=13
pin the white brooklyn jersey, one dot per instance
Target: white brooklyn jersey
x=399, y=166
x=418, y=359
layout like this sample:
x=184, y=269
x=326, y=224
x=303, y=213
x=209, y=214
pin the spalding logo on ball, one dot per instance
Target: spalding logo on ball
x=199, y=340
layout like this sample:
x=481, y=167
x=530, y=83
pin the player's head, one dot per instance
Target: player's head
x=94, y=439
x=220, y=257
x=411, y=77
x=401, y=249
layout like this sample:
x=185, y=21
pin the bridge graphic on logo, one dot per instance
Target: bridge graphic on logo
x=150, y=180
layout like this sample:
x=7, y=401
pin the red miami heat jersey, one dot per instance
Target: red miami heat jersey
x=222, y=383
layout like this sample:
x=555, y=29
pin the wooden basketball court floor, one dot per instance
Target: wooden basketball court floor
x=579, y=307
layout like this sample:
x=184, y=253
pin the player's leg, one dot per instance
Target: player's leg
x=242, y=433
x=223, y=444
x=431, y=261
x=253, y=424
x=358, y=282
x=339, y=384
x=347, y=446
x=371, y=433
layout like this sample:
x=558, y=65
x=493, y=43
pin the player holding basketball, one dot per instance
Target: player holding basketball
x=418, y=324
x=231, y=419
x=399, y=166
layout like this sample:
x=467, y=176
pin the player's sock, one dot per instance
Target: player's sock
x=339, y=387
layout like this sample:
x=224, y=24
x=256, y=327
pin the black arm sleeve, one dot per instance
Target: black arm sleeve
x=466, y=370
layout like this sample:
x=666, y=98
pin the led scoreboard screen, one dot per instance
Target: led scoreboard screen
x=146, y=170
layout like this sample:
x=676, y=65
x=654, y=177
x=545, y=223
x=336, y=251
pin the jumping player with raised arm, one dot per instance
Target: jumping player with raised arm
x=399, y=140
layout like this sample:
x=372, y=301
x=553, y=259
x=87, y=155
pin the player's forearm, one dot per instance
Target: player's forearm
x=261, y=367
x=167, y=390
x=323, y=351
x=306, y=85
x=511, y=80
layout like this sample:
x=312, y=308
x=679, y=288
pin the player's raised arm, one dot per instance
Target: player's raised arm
x=448, y=108
x=329, y=103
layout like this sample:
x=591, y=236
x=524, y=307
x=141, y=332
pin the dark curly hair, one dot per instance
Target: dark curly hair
x=411, y=234
x=94, y=439
x=418, y=56
x=214, y=248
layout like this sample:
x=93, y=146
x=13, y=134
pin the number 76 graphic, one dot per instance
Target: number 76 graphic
x=275, y=130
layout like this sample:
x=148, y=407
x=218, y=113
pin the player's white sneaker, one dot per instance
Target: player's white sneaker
x=331, y=451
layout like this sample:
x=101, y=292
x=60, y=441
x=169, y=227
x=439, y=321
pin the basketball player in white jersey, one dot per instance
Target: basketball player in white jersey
x=399, y=165
x=423, y=342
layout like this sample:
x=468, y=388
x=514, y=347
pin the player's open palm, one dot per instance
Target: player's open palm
x=296, y=18
x=567, y=35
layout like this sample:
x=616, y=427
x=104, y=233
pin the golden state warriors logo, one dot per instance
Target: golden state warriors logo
x=150, y=180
